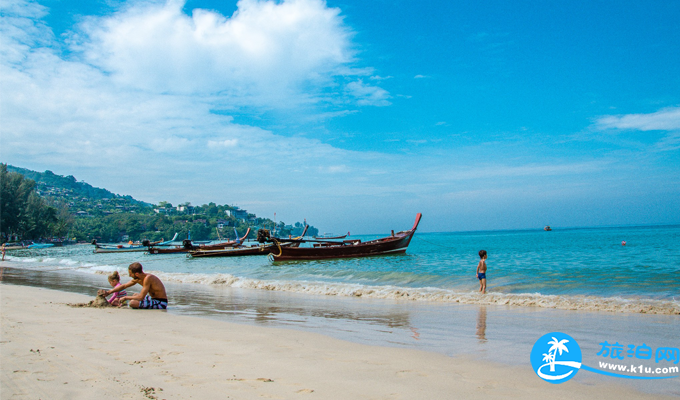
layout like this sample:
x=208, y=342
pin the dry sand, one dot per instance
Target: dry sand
x=50, y=350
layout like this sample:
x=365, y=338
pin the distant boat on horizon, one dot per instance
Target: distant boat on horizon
x=547, y=228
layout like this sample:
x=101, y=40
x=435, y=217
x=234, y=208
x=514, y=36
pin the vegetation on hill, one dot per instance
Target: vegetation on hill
x=55, y=206
x=22, y=212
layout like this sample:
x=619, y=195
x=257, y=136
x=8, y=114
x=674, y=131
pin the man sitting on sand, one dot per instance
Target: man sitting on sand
x=152, y=295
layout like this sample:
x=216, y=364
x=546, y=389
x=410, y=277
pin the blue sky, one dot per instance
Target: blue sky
x=355, y=115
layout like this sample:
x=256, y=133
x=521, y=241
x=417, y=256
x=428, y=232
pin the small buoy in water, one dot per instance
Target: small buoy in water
x=623, y=243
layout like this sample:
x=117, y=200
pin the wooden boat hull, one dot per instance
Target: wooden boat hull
x=158, y=250
x=389, y=245
x=14, y=247
x=40, y=246
x=181, y=249
x=261, y=250
x=236, y=252
x=188, y=249
x=123, y=250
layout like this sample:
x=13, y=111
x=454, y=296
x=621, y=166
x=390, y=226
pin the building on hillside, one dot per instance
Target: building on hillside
x=237, y=213
x=185, y=209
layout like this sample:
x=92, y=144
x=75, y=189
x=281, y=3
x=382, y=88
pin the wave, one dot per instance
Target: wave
x=564, y=302
x=56, y=264
x=390, y=292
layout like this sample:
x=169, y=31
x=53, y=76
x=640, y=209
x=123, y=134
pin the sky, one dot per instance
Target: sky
x=355, y=115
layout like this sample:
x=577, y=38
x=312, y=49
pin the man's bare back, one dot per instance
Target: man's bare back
x=154, y=286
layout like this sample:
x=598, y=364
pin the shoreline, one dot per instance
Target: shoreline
x=497, y=333
x=53, y=350
x=575, y=302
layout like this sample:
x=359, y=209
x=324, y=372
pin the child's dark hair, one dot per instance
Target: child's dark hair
x=482, y=253
x=114, y=276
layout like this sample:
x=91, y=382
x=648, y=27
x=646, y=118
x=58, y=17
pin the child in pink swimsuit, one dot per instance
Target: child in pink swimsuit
x=115, y=300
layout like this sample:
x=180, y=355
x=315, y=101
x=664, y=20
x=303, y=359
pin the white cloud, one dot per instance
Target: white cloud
x=134, y=113
x=266, y=53
x=666, y=119
x=223, y=143
x=335, y=169
x=129, y=109
x=420, y=76
x=368, y=95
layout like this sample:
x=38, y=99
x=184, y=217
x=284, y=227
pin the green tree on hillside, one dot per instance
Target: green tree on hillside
x=23, y=213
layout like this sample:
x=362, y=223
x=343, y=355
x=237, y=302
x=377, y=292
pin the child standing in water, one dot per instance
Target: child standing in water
x=481, y=271
x=114, y=281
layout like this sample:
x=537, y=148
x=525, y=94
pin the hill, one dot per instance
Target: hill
x=96, y=213
x=68, y=187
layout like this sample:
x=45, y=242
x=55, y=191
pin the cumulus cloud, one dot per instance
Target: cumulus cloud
x=666, y=119
x=135, y=94
x=264, y=53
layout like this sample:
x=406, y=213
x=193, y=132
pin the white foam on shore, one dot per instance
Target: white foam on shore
x=54, y=264
x=564, y=302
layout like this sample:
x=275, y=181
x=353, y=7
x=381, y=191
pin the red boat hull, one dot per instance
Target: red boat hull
x=389, y=245
x=242, y=251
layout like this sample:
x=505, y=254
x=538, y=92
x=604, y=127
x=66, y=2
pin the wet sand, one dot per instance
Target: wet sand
x=51, y=350
x=498, y=336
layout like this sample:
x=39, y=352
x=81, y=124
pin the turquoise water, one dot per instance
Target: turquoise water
x=585, y=268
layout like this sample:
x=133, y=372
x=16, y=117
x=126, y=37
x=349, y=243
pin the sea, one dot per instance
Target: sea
x=581, y=281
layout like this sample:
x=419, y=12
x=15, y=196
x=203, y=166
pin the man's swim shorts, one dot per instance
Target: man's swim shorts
x=481, y=275
x=153, y=304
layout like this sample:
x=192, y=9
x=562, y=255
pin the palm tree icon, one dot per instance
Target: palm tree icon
x=567, y=365
x=557, y=346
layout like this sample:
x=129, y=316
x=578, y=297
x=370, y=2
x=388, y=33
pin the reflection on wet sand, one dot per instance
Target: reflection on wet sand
x=416, y=334
x=481, y=324
x=252, y=305
x=272, y=307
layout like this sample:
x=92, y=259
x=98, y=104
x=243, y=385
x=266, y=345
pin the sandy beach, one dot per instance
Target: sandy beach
x=51, y=350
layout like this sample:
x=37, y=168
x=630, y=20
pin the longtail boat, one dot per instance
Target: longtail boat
x=254, y=250
x=123, y=249
x=40, y=245
x=188, y=246
x=120, y=248
x=394, y=244
x=14, y=247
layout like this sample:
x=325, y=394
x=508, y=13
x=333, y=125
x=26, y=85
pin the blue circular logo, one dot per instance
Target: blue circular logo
x=556, y=357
